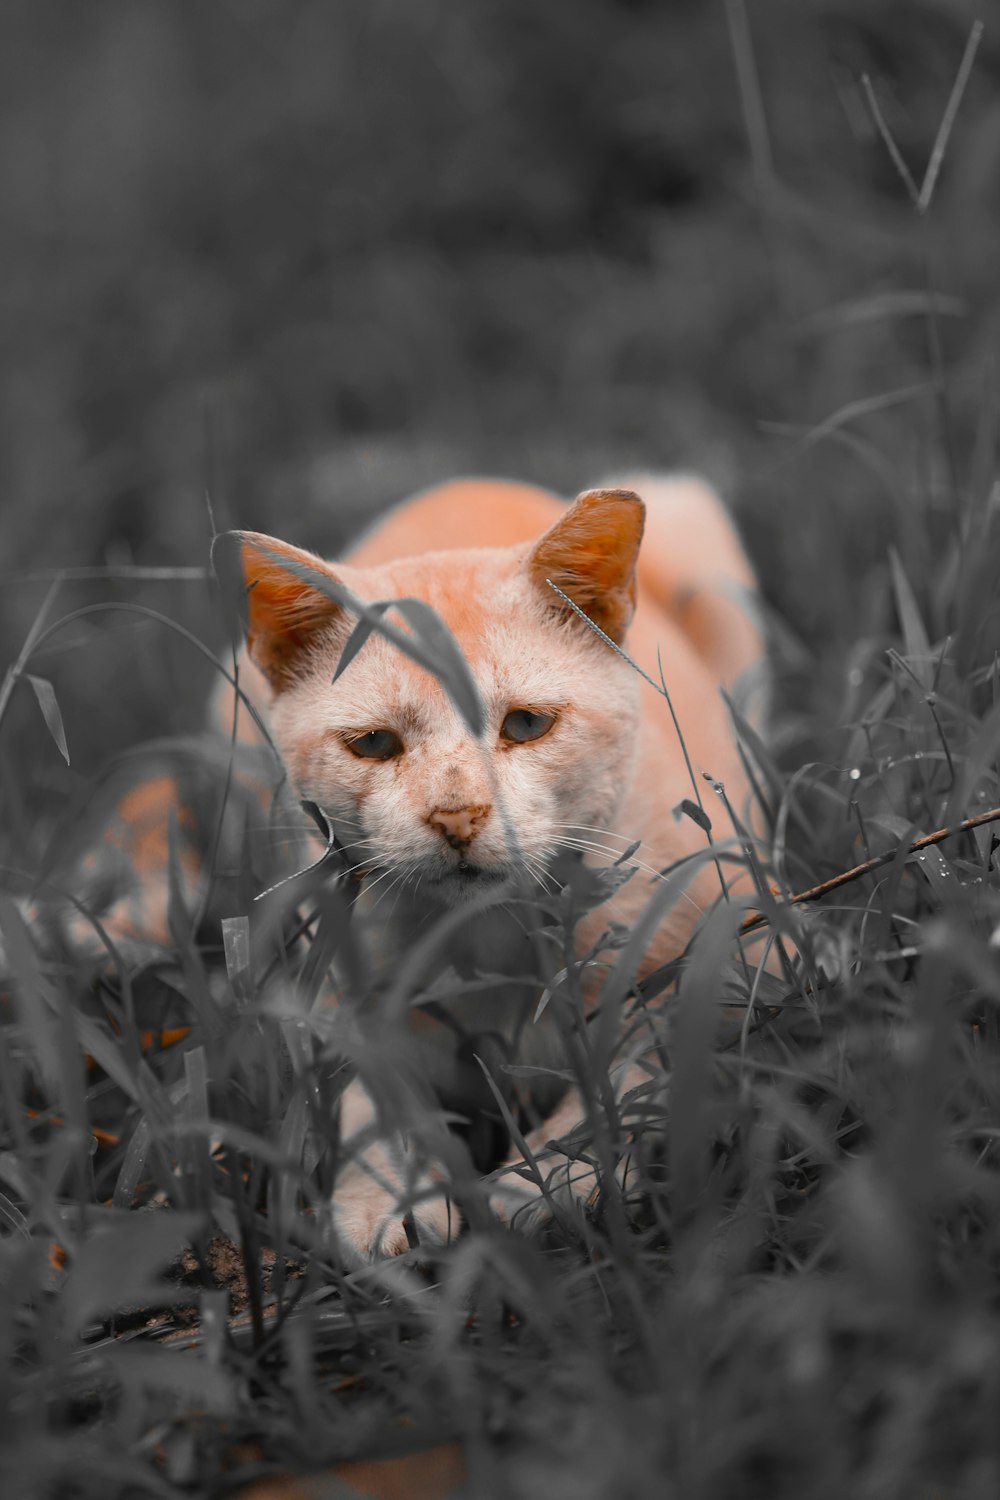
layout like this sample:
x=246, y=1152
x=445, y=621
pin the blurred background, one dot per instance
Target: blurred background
x=306, y=257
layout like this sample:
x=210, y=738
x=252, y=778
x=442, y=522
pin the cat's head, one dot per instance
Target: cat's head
x=383, y=750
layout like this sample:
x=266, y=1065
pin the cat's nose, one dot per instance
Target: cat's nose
x=458, y=825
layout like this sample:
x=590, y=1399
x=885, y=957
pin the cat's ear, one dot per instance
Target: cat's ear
x=590, y=554
x=284, y=606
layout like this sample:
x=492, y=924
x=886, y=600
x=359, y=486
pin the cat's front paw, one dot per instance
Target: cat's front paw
x=521, y=1203
x=371, y=1209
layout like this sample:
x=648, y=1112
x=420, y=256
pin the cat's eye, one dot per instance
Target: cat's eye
x=523, y=725
x=377, y=744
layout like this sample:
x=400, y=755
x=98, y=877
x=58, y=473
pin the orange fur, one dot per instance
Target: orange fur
x=607, y=769
x=133, y=862
x=431, y=1474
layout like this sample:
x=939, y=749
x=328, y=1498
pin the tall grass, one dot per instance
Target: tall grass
x=785, y=1285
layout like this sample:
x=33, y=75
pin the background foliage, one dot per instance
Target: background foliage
x=313, y=256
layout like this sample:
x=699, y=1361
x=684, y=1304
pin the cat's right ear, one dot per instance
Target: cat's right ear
x=284, y=600
x=590, y=555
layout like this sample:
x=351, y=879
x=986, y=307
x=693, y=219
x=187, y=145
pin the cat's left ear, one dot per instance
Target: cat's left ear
x=590, y=554
x=291, y=598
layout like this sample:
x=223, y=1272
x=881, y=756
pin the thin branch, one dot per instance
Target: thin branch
x=750, y=96
x=864, y=406
x=948, y=118
x=750, y=924
x=605, y=637
x=889, y=143
x=113, y=571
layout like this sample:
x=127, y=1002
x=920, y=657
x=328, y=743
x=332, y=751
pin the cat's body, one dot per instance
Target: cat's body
x=578, y=758
x=458, y=840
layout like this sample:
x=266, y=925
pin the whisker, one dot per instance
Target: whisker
x=605, y=833
x=366, y=843
x=401, y=871
x=297, y=832
x=401, y=883
x=369, y=886
x=589, y=846
x=536, y=869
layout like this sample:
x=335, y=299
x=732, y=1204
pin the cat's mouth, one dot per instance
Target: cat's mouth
x=474, y=874
x=465, y=876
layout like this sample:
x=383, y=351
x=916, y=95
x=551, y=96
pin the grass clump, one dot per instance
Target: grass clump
x=787, y=1282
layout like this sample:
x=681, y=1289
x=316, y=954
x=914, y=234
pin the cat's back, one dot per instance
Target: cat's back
x=461, y=514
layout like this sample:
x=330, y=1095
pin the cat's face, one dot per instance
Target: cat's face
x=383, y=751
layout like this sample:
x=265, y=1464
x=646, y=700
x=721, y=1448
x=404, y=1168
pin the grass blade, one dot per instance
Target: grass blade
x=453, y=670
x=914, y=632
x=440, y=655
x=46, y=695
x=696, y=1014
x=117, y=1265
x=948, y=118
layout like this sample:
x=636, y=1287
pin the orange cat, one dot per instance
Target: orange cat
x=579, y=758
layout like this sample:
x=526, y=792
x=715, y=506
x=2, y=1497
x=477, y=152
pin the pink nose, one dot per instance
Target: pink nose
x=457, y=825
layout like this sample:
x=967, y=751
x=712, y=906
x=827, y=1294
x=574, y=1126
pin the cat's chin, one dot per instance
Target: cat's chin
x=466, y=882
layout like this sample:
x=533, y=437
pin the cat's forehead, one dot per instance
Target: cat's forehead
x=468, y=589
x=508, y=667
x=484, y=597
x=493, y=611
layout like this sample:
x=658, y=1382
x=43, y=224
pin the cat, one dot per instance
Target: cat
x=458, y=836
x=449, y=832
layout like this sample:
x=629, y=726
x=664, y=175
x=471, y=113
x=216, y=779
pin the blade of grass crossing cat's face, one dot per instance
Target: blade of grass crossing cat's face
x=292, y=595
x=590, y=554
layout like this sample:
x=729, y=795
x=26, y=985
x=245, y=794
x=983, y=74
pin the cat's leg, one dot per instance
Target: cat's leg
x=137, y=860
x=146, y=851
x=132, y=855
x=527, y=1195
x=384, y=1184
